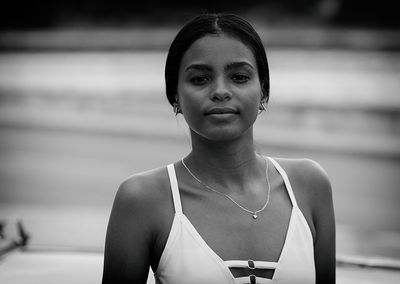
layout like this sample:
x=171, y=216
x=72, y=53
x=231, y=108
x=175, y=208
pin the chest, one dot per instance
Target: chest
x=213, y=233
x=233, y=233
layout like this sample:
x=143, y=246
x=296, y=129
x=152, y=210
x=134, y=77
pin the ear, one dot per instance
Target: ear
x=263, y=103
x=264, y=93
x=177, y=106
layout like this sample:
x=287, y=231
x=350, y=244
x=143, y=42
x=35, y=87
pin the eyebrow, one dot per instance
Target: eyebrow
x=239, y=64
x=201, y=67
x=230, y=66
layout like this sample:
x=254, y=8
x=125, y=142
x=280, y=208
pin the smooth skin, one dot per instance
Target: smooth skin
x=219, y=92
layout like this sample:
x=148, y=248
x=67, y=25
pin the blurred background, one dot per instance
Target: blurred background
x=83, y=106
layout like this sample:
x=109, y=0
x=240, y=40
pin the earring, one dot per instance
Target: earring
x=263, y=106
x=177, y=108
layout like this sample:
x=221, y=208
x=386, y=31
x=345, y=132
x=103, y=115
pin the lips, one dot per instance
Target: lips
x=221, y=110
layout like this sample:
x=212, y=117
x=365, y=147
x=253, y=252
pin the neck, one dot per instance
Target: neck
x=229, y=164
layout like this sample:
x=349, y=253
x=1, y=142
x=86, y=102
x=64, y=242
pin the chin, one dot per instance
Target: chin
x=223, y=134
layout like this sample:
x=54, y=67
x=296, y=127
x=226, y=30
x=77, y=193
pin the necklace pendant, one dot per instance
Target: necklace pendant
x=255, y=216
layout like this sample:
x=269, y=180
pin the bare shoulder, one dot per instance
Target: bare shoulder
x=144, y=184
x=142, y=202
x=311, y=186
x=143, y=191
x=140, y=210
x=308, y=176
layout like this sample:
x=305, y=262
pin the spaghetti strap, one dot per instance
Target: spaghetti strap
x=174, y=189
x=286, y=180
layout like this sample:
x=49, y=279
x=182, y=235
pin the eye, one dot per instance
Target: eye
x=199, y=80
x=240, y=78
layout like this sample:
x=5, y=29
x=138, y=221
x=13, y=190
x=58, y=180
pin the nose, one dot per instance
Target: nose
x=220, y=91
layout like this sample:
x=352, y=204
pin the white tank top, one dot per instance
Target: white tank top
x=187, y=258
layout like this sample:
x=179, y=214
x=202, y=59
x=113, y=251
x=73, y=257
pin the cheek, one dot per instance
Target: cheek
x=189, y=103
x=252, y=111
x=252, y=104
x=252, y=97
x=190, y=97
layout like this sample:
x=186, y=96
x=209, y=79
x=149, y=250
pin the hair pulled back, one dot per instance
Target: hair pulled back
x=211, y=24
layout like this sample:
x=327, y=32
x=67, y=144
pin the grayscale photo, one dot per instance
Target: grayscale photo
x=179, y=142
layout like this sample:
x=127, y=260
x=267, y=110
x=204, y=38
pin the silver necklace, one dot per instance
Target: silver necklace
x=253, y=213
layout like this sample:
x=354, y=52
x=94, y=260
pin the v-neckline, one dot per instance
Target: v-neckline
x=225, y=268
x=211, y=252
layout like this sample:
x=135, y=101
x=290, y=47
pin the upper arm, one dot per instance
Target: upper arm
x=324, y=223
x=128, y=241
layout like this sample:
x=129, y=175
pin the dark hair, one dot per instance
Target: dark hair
x=206, y=24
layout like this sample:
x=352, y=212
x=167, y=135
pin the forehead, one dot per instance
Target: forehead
x=217, y=49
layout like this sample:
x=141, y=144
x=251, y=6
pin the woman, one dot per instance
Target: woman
x=224, y=213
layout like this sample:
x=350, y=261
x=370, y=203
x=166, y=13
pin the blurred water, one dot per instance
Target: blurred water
x=74, y=125
x=338, y=78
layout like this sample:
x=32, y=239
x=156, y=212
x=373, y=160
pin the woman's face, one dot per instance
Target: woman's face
x=219, y=88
